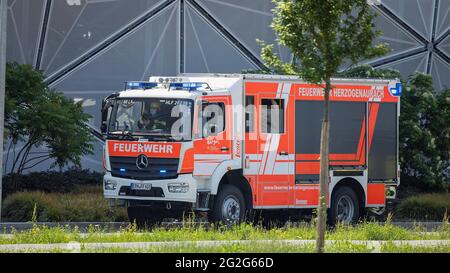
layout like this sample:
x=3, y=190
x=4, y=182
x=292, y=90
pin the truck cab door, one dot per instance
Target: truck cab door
x=213, y=143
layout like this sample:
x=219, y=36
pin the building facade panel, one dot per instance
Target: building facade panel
x=88, y=48
x=74, y=27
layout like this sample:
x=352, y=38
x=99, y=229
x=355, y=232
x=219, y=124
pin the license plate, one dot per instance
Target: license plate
x=141, y=186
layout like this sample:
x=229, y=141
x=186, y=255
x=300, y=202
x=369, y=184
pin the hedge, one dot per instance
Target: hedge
x=51, y=181
x=431, y=207
x=88, y=206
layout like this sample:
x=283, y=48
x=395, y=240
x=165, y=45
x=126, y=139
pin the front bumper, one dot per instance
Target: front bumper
x=189, y=196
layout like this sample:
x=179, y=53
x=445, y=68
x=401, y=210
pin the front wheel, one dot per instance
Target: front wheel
x=344, y=206
x=229, y=206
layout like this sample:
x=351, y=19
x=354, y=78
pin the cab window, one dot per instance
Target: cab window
x=213, y=118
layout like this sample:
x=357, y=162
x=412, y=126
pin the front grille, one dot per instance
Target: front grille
x=154, y=192
x=125, y=167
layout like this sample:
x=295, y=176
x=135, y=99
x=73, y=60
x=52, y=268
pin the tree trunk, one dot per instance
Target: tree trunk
x=324, y=172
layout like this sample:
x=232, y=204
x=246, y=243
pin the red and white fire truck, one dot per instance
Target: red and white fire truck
x=248, y=142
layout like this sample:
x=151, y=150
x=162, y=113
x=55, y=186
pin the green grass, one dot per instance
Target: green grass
x=433, y=206
x=363, y=231
x=84, y=204
x=342, y=235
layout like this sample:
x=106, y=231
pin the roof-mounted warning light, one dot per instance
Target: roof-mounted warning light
x=140, y=85
x=168, y=80
x=189, y=86
x=397, y=90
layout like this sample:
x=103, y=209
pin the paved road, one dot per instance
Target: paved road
x=6, y=227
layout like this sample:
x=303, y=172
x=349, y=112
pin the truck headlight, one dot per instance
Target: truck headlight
x=178, y=187
x=110, y=185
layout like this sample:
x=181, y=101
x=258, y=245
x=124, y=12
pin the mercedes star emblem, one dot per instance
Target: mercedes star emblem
x=141, y=162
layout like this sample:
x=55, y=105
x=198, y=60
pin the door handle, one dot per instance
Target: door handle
x=224, y=149
x=283, y=153
x=247, y=162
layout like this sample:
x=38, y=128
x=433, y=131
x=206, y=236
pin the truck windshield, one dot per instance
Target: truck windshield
x=155, y=118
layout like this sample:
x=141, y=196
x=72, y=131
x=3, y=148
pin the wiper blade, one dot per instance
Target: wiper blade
x=135, y=136
x=127, y=135
x=162, y=137
x=122, y=135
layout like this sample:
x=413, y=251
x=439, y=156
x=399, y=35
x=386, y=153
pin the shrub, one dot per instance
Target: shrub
x=61, y=207
x=433, y=206
x=51, y=181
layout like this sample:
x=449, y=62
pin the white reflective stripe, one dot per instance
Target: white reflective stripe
x=286, y=94
x=273, y=150
x=211, y=159
x=287, y=88
x=204, y=168
x=291, y=167
x=279, y=89
x=254, y=156
x=253, y=168
x=289, y=157
x=266, y=148
x=205, y=164
x=281, y=168
x=211, y=156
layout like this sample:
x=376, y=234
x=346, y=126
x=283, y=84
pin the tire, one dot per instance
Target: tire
x=143, y=216
x=229, y=206
x=345, y=206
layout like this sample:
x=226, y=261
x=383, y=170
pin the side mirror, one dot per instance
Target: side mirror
x=103, y=128
x=104, y=111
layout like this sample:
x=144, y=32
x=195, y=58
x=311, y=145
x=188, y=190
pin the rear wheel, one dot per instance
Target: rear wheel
x=229, y=206
x=344, y=206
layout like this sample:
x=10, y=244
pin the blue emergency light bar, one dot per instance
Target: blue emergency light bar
x=397, y=90
x=188, y=86
x=140, y=85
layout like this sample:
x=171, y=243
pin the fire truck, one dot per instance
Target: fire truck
x=230, y=144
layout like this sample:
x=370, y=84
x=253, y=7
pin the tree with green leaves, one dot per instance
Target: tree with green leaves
x=424, y=125
x=36, y=116
x=425, y=134
x=322, y=35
